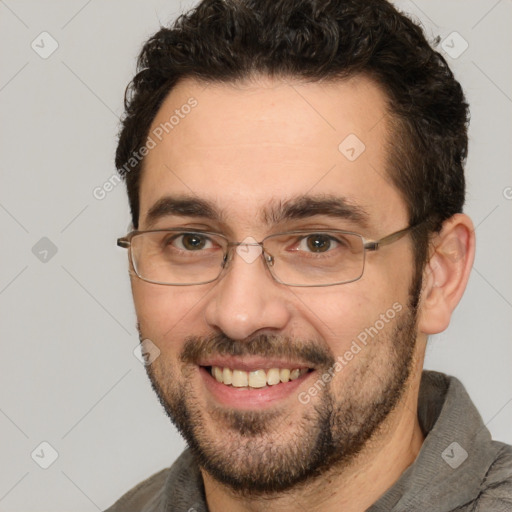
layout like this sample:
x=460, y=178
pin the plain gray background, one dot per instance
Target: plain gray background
x=68, y=373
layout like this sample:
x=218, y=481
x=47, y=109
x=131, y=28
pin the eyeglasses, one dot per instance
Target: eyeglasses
x=180, y=257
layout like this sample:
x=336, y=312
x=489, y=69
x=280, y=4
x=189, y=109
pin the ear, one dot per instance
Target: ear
x=446, y=273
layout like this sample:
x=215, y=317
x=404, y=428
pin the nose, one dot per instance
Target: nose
x=246, y=299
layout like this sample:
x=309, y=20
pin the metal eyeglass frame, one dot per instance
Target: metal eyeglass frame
x=368, y=245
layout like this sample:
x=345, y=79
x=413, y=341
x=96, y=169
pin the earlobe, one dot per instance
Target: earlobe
x=446, y=273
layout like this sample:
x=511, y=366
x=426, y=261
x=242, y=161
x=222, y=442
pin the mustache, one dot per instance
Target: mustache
x=307, y=352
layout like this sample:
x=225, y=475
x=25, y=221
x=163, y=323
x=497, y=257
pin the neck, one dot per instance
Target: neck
x=376, y=468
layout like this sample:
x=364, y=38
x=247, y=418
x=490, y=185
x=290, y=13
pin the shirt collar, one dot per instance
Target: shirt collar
x=454, y=458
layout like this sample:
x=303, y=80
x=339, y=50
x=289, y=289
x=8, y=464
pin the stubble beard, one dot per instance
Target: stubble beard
x=262, y=453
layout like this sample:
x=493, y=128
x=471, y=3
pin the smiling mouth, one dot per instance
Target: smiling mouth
x=256, y=379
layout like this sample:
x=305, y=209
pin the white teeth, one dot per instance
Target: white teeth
x=217, y=373
x=294, y=374
x=284, y=375
x=227, y=376
x=240, y=378
x=273, y=377
x=256, y=378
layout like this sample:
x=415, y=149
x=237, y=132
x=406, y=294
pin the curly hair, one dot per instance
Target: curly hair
x=313, y=40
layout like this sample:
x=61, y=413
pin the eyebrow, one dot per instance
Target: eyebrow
x=302, y=207
x=277, y=212
x=182, y=207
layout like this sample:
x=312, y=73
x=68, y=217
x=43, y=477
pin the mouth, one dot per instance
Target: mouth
x=255, y=379
x=252, y=388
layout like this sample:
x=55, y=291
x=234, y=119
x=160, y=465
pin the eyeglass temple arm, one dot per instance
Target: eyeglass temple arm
x=373, y=245
x=123, y=242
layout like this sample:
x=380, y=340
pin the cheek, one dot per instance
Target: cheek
x=167, y=313
x=344, y=314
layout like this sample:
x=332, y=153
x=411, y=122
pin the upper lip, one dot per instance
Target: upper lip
x=251, y=363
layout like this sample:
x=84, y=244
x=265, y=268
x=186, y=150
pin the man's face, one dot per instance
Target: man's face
x=252, y=153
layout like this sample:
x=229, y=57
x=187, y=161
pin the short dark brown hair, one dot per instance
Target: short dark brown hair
x=312, y=40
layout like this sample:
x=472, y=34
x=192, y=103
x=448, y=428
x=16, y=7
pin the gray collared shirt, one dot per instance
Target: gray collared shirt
x=458, y=469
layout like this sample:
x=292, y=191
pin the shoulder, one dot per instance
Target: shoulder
x=496, y=493
x=144, y=496
x=181, y=484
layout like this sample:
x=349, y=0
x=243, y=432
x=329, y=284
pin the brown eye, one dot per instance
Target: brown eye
x=189, y=242
x=318, y=243
x=193, y=241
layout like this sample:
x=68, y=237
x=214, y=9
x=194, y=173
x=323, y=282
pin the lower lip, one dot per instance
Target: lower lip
x=250, y=398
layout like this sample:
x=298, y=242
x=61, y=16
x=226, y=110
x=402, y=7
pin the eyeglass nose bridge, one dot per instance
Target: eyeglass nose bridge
x=244, y=251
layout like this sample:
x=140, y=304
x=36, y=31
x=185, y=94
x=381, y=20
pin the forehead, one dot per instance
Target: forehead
x=242, y=146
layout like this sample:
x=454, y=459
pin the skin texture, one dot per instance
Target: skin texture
x=244, y=148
